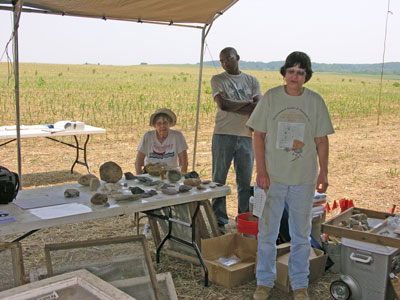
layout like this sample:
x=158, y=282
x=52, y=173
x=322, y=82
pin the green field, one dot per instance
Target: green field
x=121, y=98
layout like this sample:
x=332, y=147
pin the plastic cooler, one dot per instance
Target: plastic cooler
x=365, y=268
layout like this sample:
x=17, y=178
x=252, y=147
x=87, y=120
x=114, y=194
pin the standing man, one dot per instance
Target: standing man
x=236, y=95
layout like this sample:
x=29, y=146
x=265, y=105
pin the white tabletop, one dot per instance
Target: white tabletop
x=33, y=131
x=80, y=209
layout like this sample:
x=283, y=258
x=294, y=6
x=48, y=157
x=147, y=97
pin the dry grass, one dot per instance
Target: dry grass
x=364, y=167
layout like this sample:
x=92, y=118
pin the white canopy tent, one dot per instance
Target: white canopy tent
x=198, y=14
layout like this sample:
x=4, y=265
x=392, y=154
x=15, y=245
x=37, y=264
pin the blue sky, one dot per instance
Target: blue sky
x=340, y=31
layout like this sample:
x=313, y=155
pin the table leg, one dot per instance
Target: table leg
x=77, y=148
x=169, y=235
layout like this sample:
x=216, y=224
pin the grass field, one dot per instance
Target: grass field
x=364, y=157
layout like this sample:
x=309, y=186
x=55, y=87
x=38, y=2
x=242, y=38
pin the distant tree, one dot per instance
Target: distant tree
x=143, y=63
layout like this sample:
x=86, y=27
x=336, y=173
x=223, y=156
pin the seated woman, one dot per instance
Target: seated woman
x=162, y=144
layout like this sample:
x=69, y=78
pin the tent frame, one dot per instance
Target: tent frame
x=17, y=8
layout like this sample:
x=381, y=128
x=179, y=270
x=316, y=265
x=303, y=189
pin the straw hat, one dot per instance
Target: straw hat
x=166, y=111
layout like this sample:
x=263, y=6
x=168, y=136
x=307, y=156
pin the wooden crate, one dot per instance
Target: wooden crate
x=373, y=236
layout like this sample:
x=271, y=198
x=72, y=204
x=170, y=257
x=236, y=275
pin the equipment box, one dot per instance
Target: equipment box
x=226, y=246
x=367, y=267
x=378, y=235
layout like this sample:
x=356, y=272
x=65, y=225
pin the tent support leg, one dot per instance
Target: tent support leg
x=203, y=37
x=16, y=13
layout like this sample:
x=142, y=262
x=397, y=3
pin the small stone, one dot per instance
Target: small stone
x=71, y=193
x=174, y=176
x=213, y=186
x=192, y=181
x=136, y=190
x=85, y=179
x=129, y=176
x=99, y=199
x=152, y=192
x=94, y=184
x=169, y=191
x=184, y=188
x=110, y=172
x=156, y=182
x=126, y=197
x=201, y=187
x=205, y=181
x=144, y=179
x=155, y=169
x=192, y=174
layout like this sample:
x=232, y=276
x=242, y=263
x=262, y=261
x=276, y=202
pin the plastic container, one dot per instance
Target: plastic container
x=245, y=226
x=367, y=267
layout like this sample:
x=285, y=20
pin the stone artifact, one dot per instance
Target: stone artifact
x=99, y=199
x=110, y=172
x=169, y=191
x=192, y=174
x=94, y=184
x=144, y=179
x=129, y=176
x=136, y=190
x=184, y=188
x=156, y=169
x=174, y=176
x=120, y=197
x=85, y=179
x=192, y=181
x=205, y=181
x=201, y=187
x=71, y=193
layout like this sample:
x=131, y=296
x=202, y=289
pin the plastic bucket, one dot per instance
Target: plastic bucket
x=245, y=226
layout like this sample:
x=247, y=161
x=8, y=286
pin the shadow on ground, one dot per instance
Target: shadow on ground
x=48, y=178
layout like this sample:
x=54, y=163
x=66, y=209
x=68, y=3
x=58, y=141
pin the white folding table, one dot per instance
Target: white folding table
x=79, y=209
x=9, y=133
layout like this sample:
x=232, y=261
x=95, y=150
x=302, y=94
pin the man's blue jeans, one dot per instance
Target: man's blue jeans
x=225, y=148
x=299, y=199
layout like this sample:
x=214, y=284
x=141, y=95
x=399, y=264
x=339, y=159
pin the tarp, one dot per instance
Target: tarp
x=168, y=11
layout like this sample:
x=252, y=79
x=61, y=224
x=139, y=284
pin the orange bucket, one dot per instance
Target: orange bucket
x=245, y=226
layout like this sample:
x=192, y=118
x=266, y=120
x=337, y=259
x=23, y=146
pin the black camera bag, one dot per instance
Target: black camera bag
x=9, y=185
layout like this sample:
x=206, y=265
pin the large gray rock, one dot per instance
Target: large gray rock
x=110, y=172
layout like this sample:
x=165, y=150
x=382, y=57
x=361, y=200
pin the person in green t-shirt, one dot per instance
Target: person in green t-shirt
x=291, y=126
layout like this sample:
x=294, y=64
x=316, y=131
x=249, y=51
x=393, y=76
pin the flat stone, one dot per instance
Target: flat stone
x=99, y=199
x=169, y=191
x=71, y=193
x=129, y=176
x=184, y=188
x=136, y=190
x=192, y=181
x=192, y=174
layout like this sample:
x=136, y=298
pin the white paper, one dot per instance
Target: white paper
x=59, y=211
x=259, y=201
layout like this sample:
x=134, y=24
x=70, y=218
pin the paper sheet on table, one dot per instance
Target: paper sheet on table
x=59, y=211
x=259, y=200
x=46, y=200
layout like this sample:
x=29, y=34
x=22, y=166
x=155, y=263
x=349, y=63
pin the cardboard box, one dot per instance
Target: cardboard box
x=225, y=246
x=317, y=268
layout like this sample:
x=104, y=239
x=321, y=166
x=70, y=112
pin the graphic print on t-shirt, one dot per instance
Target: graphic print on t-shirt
x=162, y=152
x=238, y=91
x=290, y=131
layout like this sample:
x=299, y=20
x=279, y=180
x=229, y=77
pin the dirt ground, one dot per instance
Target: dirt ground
x=364, y=167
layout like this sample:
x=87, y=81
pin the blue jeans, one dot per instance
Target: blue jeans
x=299, y=199
x=225, y=148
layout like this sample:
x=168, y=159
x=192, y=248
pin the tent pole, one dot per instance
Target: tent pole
x=16, y=77
x=198, y=95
